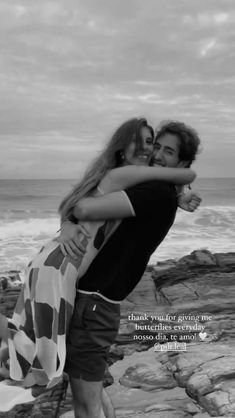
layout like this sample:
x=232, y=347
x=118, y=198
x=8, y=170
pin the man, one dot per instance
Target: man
x=148, y=211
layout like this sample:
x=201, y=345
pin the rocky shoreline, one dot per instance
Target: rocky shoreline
x=194, y=305
x=174, y=356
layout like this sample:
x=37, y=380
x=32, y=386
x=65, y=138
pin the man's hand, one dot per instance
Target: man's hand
x=73, y=239
x=189, y=201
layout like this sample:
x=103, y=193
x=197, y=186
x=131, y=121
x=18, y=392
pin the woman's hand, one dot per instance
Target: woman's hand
x=73, y=239
x=189, y=201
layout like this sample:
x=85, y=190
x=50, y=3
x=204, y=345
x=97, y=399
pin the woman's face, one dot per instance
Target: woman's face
x=142, y=154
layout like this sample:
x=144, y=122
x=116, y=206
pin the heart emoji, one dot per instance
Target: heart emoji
x=202, y=335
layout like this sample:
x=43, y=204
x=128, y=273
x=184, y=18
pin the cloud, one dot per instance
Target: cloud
x=214, y=19
x=207, y=20
x=25, y=12
x=208, y=46
x=76, y=69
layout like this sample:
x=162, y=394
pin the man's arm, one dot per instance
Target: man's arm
x=189, y=201
x=111, y=206
x=141, y=200
x=71, y=239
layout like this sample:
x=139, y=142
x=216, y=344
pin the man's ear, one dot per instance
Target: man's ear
x=183, y=164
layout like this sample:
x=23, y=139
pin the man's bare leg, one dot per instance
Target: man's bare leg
x=90, y=400
x=86, y=398
x=107, y=405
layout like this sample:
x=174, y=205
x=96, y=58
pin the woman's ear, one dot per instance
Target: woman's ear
x=183, y=164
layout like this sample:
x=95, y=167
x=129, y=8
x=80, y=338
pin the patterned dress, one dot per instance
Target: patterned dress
x=38, y=328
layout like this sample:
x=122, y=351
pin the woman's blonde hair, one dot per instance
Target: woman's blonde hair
x=109, y=158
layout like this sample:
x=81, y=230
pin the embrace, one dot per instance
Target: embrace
x=67, y=314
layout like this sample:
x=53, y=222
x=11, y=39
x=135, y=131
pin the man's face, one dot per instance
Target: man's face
x=142, y=154
x=166, y=151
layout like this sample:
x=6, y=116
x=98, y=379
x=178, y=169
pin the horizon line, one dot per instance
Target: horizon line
x=73, y=178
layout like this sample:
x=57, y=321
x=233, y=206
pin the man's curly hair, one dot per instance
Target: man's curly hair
x=189, y=140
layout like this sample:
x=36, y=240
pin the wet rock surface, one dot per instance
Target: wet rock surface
x=152, y=381
x=200, y=290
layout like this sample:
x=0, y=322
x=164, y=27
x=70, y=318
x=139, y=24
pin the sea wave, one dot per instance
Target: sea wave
x=210, y=227
x=31, y=227
x=208, y=216
x=12, y=215
x=8, y=196
x=21, y=239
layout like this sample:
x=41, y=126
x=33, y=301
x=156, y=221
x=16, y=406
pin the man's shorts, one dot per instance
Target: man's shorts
x=93, y=330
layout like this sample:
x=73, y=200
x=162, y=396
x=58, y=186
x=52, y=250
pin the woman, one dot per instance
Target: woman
x=37, y=332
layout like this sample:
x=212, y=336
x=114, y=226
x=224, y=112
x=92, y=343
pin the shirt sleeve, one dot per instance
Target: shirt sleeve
x=145, y=198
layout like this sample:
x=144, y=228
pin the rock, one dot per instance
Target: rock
x=115, y=353
x=192, y=408
x=207, y=372
x=163, y=265
x=142, y=298
x=161, y=402
x=200, y=289
x=8, y=298
x=10, y=279
x=203, y=285
x=225, y=259
x=214, y=386
x=69, y=414
x=4, y=283
x=159, y=407
x=199, y=257
x=184, y=364
x=148, y=377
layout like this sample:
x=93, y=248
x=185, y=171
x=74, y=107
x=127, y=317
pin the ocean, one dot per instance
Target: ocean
x=29, y=218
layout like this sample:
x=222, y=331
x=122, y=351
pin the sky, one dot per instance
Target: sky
x=71, y=71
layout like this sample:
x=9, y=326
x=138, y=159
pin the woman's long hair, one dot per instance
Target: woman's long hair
x=109, y=158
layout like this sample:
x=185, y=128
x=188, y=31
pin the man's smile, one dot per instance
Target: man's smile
x=158, y=163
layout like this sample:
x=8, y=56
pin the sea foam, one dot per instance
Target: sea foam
x=210, y=227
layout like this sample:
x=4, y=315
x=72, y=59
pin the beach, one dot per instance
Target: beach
x=29, y=218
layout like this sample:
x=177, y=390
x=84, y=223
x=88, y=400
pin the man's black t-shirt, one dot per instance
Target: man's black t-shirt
x=120, y=264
